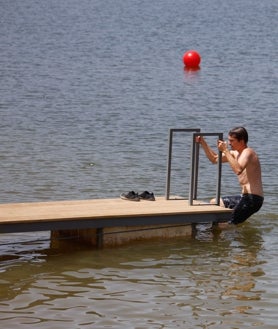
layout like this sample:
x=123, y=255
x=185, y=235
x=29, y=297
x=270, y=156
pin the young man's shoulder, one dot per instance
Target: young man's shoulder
x=251, y=155
x=250, y=151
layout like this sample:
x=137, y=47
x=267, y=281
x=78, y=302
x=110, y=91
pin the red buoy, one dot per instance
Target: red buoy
x=191, y=59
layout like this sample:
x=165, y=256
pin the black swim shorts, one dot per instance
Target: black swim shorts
x=243, y=206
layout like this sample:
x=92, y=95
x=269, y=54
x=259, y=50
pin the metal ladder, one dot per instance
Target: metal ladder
x=195, y=149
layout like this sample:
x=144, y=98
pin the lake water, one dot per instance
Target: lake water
x=89, y=90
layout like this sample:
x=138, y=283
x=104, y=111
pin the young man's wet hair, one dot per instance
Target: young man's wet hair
x=240, y=133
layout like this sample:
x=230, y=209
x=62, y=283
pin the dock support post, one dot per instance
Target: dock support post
x=99, y=237
x=193, y=230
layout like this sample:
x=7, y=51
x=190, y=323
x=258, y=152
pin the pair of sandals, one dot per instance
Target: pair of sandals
x=134, y=196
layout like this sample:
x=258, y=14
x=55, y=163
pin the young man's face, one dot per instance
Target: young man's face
x=234, y=143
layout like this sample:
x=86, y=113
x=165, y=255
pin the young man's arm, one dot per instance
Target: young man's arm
x=237, y=164
x=211, y=155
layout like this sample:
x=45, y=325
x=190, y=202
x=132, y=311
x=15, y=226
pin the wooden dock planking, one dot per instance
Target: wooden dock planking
x=99, y=213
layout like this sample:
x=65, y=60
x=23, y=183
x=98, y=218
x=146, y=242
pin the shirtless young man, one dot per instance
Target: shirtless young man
x=246, y=165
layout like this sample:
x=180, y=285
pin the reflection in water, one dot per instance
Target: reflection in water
x=243, y=267
x=242, y=277
x=207, y=283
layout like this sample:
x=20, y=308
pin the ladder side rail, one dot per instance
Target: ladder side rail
x=169, y=163
x=196, y=171
x=192, y=187
x=195, y=163
x=170, y=150
x=219, y=174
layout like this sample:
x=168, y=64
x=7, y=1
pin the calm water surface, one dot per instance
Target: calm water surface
x=89, y=90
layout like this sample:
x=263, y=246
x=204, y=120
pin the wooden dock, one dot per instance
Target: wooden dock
x=105, y=213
